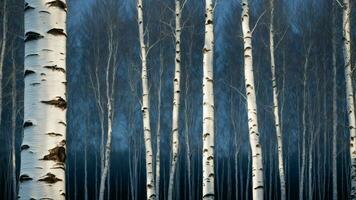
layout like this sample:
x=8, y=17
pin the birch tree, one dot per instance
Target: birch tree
x=150, y=186
x=176, y=99
x=276, y=107
x=349, y=91
x=43, y=151
x=208, y=104
x=254, y=135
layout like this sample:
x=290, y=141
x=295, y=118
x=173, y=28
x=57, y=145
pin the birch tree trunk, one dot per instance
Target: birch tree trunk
x=43, y=152
x=150, y=185
x=208, y=104
x=276, y=107
x=335, y=117
x=349, y=92
x=176, y=101
x=2, y=53
x=13, y=124
x=257, y=165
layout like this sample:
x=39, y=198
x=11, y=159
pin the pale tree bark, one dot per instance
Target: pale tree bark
x=150, y=185
x=176, y=99
x=3, y=49
x=254, y=135
x=208, y=104
x=43, y=152
x=349, y=92
x=13, y=124
x=335, y=117
x=276, y=107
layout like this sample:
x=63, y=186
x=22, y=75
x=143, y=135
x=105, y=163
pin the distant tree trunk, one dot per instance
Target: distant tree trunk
x=13, y=125
x=349, y=92
x=256, y=151
x=335, y=117
x=208, y=104
x=276, y=108
x=2, y=52
x=176, y=100
x=43, y=150
x=150, y=185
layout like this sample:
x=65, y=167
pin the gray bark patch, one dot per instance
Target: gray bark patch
x=56, y=154
x=29, y=36
x=25, y=177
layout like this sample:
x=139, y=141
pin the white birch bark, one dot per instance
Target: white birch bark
x=276, y=107
x=43, y=151
x=349, y=92
x=335, y=117
x=208, y=104
x=256, y=151
x=176, y=100
x=150, y=185
x=3, y=49
x=13, y=125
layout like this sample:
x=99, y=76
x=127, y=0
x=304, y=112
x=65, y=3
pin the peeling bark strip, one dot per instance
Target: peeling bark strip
x=150, y=187
x=208, y=134
x=55, y=68
x=349, y=92
x=57, y=31
x=30, y=36
x=257, y=164
x=44, y=102
x=58, y=102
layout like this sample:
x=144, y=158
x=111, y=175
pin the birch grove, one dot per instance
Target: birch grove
x=43, y=150
x=254, y=135
x=208, y=104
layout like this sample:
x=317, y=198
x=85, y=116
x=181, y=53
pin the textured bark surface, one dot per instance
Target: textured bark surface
x=276, y=107
x=254, y=135
x=42, y=174
x=349, y=92
x=176, y=101
x=150, y=185
x=208, y=104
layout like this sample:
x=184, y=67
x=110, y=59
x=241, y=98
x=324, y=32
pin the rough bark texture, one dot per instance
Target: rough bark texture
x=254, y=135
x=42, y=174
x=208, y=104
x=176, y=101
x=276, y=108
x=150, y=185
x=349, y=92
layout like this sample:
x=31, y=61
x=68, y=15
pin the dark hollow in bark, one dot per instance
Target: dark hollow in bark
x=58, y=3
x=29, y=36
x=57, y=31
x=25, y=177
x=27, y=124
x=28, y=72
x=54, y=134
x=28, y=7
x=24, y=147
x=56, y=154
x=55, y=68
x=59, y=102
x=50, y=178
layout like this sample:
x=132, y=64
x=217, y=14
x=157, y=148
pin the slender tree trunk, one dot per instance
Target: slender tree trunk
x=176, y=101
x=13, y=125
x=276, y=108
x=43, y=150
x=86, y=163
x=349, y=92
x=254, y=135
x=208, y=104
x=335, y=117
x=150, y=185
x=3, y=49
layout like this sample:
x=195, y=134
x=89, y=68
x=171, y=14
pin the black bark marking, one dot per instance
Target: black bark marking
x=32, y=54
x=208, y=195
x=24, y=147
x=34, y=84
x=28, y=7
x=57, y=32
x=209, y=22
x=25, y=177
x=56, y=154
x=29, y=36
x=62, y=143
x=54, y=134
x=27, y=124
x=58, y=3
x=50, y=178
x=63, y=123
x=258, y=187
x=28, y=72
x=55, y=68
x=58, y=102
x=45, y=11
